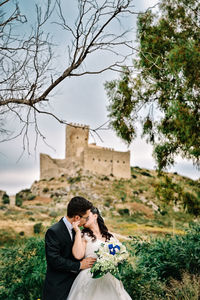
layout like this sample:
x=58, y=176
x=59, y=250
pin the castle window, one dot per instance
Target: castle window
x=105, y=160
x=77, y=137
x=99, y=159
x=117, y=161
x=123, y=162
x=111, y=160
x=85, y=139
x=93, y=158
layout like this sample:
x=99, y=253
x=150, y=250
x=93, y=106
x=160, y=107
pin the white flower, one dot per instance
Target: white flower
x=109, y=256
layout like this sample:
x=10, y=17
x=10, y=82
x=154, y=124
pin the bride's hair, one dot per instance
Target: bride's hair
x=103, y=228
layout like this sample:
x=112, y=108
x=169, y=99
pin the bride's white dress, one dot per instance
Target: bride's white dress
x=105, y=288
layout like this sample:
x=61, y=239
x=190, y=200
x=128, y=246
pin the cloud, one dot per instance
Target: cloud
x=16, y=180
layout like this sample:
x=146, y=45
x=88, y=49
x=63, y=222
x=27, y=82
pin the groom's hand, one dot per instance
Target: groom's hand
x=87, y=263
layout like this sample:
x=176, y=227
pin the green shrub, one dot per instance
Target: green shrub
x=108, y=202
x=123, y=196
x=145, y=174
x=74, y=179
x=45, y=190
x=124, y=211
x=135, y=192
x=22, y=269
x=168, y=257
x=18, y=200
x=5, y=199
x=52, y=178
x=105, y=178
x=53, y=214
x=3, y=207
x=168, y=191
x=191, y=203
x=133, y=176
x=31, y=197
x=37, y=228
x=8, y=237
x=140, y=285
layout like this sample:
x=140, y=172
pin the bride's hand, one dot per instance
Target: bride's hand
x=75, y=226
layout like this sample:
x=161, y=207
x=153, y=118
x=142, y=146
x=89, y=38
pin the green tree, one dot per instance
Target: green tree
x=167, y=83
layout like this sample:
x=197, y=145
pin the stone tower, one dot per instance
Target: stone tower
x=76, y=142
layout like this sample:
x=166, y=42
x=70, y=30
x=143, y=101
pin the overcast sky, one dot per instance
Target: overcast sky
x=80, y=100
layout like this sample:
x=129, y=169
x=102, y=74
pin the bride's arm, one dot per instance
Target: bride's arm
x=78, y=249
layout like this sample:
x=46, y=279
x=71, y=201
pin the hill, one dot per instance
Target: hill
x=146, y=203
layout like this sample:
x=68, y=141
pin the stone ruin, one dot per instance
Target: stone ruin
x=81, y=155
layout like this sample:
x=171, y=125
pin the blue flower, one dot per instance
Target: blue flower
x=112, y=248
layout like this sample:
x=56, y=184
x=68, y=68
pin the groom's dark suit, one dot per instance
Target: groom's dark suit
x=62, y=267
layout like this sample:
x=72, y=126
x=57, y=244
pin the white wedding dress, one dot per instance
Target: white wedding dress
x=105, y=288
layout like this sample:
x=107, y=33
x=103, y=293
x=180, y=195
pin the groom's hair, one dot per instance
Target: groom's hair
x=78, y=206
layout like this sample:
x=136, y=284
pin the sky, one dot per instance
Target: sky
x=80, y=100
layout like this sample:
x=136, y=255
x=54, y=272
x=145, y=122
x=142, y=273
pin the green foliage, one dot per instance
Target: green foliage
x=8, y=237
x=140, y=286
x=74, y=179
x=37, y=228
x=52, y=178
x=45, y=190
x=161, y=268
x=123, y=196
x=124, y=211
x=146, y=174
x=168, y=258
x=18, y=199
x=5, y=199
x=108, y=201
x=172, y=193
x=191, y=203
x=105, y=178
x=53, y=214
x=168, y=191
x=31, y=197
x=164, y=268
x=22, y=269
x=167, y=81
x=22, y=196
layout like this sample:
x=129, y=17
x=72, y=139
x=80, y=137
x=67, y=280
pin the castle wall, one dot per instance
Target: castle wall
x=121, y=164
x=107, y=161
x=98, y=160
x=51, y=167
x=48, y=167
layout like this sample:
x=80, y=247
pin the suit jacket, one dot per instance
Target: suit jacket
x=62, y=267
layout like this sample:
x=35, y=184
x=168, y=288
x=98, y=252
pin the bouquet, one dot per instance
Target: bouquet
x=110, y=257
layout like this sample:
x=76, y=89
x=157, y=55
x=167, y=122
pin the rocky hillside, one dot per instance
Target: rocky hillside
x=145, y=203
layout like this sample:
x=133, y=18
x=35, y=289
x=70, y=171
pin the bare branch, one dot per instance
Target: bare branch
x=28, y=74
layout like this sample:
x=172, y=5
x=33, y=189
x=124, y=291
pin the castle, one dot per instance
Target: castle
x=80, y=154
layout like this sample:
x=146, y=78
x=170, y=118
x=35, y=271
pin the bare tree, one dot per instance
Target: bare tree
x=26, y=74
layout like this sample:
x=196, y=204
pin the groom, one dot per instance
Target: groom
x=62, y=267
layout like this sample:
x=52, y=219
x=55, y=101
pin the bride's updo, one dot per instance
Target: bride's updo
x=102, y=227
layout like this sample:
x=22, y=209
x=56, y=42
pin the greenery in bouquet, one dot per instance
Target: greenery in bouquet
x=110, y=258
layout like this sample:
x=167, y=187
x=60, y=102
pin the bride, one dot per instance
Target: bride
x=86, y=243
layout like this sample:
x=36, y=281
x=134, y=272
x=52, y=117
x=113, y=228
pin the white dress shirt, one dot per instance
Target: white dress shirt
x=69, y=226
